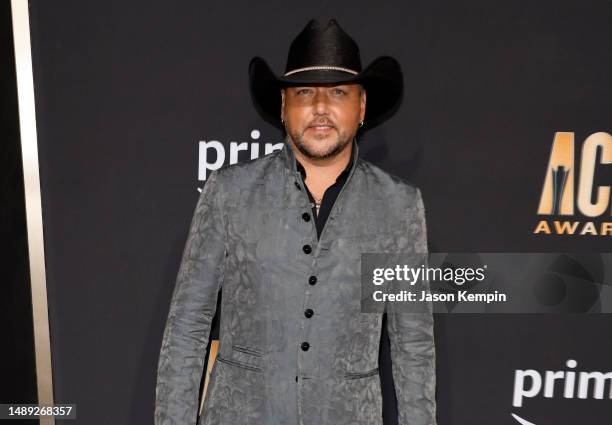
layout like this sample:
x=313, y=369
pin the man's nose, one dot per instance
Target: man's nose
x=320, y=101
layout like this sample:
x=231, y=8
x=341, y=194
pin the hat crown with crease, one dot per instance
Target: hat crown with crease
x=317, y=45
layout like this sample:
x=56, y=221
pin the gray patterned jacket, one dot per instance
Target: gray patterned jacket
x=249, y=235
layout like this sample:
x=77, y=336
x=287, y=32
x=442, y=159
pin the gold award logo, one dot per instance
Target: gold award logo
x=587, y=210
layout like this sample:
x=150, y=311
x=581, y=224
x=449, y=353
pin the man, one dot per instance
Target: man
x=282, y=235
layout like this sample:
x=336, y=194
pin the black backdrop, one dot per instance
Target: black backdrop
x=126, y=91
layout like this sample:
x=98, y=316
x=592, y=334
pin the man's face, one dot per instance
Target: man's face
x=322, y=120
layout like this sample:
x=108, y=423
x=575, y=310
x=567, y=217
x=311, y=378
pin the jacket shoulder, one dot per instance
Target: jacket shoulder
x=247, y=171
x=389, y=182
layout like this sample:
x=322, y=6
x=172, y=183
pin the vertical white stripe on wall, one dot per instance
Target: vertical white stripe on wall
x=29, y=152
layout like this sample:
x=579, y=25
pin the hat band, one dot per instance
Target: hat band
x=321, y=67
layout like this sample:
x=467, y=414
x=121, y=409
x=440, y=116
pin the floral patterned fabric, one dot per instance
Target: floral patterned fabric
x=248, y=236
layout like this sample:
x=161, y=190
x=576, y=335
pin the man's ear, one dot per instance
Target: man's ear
x=282, y=117
x=362, y=104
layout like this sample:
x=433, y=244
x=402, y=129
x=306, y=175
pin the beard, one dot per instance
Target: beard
x=333, y=147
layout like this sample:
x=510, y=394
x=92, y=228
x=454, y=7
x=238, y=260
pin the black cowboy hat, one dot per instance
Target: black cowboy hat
x=324, y=55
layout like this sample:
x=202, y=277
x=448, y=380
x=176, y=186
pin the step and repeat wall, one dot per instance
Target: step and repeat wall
x=137, y=102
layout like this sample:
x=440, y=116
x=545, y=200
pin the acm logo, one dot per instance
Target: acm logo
x=564, y=197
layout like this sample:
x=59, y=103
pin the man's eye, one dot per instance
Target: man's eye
x=339, y=92
x=303, y=91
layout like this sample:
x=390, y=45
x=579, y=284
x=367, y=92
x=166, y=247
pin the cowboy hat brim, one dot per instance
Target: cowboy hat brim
x=382, y=80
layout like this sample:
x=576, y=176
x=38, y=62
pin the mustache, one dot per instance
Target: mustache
x=320, y=122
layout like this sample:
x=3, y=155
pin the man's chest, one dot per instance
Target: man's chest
x=283, y=227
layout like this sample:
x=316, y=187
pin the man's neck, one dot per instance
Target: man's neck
x=322, y=173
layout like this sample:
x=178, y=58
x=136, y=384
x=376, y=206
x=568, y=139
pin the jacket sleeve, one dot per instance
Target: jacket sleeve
x=193, y=305
x=412, y=343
